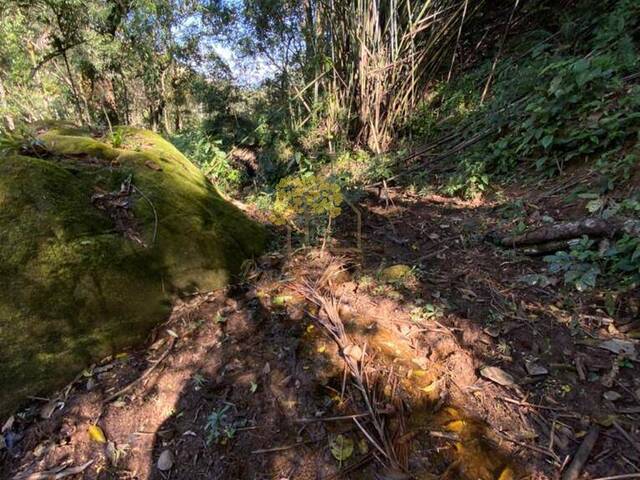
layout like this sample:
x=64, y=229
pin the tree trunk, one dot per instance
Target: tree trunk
x=8, y=119
x=177, y=120
x=83, y=113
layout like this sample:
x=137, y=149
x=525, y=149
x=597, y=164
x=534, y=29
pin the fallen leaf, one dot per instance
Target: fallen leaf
x=172, y=333
x=165, y=461
x=430, y=388
x=112, y=453
x=363, y=446
x=537, y=280
x=8, y=424
x=606, y=420
x=456, y=426
x=341, y=448
x=612, y=395
x=353, y=351
x=42, y=448
x=507, y=474
x=55, y=473
x=617, y=346
x=493, y=332
x=422, y=362
x=497, y=375
x=393, y=474
x=535, y=369
x=96, y=434
x=280, y=300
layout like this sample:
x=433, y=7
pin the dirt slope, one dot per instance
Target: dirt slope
x=248, y=382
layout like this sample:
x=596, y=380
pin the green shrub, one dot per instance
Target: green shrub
x=205, y=152
x=584, y=264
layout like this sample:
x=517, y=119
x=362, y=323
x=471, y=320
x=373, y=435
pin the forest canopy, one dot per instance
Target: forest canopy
x=350, y=70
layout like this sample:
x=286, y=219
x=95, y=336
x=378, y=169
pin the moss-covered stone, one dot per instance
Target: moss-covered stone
x=73, y=286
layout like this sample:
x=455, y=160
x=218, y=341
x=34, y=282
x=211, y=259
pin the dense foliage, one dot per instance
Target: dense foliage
x=569, y=97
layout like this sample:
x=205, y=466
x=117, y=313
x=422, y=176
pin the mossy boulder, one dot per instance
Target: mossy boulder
x=94, y=242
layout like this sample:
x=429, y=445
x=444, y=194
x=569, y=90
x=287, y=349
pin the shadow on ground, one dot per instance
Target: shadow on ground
x=246, y=384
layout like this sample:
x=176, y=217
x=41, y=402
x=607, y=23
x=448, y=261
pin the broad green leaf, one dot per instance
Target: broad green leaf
x=546, y=141
x=341, y=448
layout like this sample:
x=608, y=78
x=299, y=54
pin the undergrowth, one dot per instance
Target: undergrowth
x=569, y=98
x=206, y=152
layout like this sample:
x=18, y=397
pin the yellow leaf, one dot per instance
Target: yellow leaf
x=507, y=474
x=280, y=300
x=310, y=328
x=456, y=426
x=321, y=349
x=452, y=412
x=430, y=388
x=96, y=434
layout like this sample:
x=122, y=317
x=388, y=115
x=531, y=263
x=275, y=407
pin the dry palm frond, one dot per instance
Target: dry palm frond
x=329, y=318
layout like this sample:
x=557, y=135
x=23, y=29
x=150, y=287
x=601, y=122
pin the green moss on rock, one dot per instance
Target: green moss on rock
x=73, y=287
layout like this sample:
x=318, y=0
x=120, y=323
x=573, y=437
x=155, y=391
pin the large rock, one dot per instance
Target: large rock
x=94, y=240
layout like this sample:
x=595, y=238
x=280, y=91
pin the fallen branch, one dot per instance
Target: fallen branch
x=529, y=446
x=282, y=448
x=547, y=247
x=592, y=226
x=334, y=327
x=54, y=474
x=627, y=437
x=146, y=373
x=582, y=455
x=332, y=419
x=531, y=405
x=620, y=477
x=155, y=213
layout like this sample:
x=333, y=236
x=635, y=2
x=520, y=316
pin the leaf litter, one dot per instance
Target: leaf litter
x=433, y=416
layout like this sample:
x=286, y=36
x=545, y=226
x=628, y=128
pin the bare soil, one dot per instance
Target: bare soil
x=247, y=384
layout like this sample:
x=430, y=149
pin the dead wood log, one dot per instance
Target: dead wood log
x=546, y=247
x=592, y=227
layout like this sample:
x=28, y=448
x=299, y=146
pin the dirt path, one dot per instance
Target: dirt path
x=247, y=383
